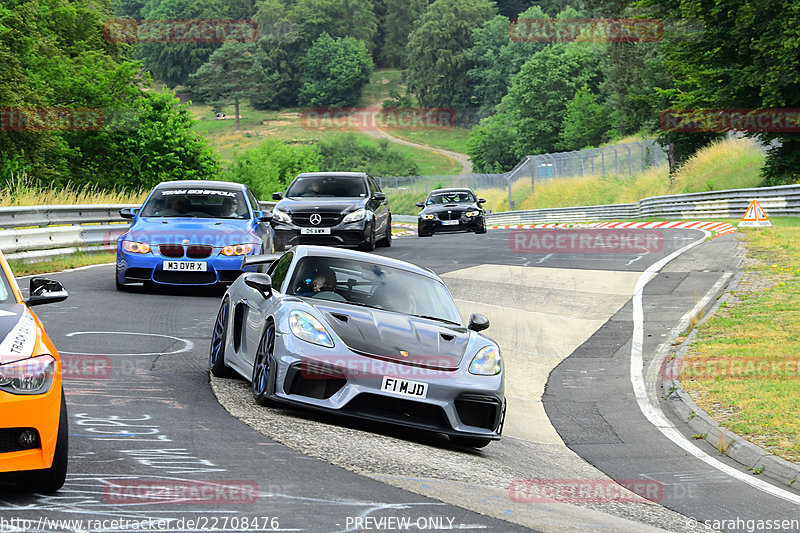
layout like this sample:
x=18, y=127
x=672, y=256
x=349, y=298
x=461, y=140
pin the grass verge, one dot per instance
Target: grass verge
x=744, y=366
x=21, y=268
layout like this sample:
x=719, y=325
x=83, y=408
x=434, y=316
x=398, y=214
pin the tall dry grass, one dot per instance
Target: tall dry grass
x=21, y=190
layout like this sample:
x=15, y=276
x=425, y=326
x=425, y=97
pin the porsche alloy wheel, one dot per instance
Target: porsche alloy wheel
x=262, y=366
x=216, y=354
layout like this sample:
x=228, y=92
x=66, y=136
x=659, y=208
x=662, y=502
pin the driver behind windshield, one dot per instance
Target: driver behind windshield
x=178, y=205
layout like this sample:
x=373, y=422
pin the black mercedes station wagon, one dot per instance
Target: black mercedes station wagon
x=337, y=208
x=451, y=210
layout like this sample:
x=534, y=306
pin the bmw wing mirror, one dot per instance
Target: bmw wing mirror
x=260, y=282
x=265, y=216
x=420, y=204
x=478, y=322
x=126, y=212
x=45, y=291
x=277, y=195
x=379, y=196
x=481, y=200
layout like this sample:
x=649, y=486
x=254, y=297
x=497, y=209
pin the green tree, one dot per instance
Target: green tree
x=334, y=72
x=586, y=122
x=496, y=59
x=232, y=74
x=537, y=100
x=737, y=54
x=395, y=28
x=173, y=62
x=270, y=166
x=437, y=51
x=490, y=145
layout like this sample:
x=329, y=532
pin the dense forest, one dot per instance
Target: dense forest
x=520, y=94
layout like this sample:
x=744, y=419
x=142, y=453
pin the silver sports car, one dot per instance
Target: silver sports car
x=360, y=335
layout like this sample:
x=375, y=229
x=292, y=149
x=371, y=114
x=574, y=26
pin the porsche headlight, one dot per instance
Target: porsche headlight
x=472, y=213
x=136, y=247
x=237, y=249
x=28, y=376
x=281, y=216
x=487, y=362
x=305, y=327
x=428, y=217
x=355, y=216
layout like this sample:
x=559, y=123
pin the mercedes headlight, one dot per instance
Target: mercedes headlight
x=355, y=216
x=472, y=213
x=237, y=249
x=29, y=376
x=487, y=362
x=136, y=247
x=281, y=216
x=305, y=327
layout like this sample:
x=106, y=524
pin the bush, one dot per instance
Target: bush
x=334, y=72
x=270, y=166
x=345, y=153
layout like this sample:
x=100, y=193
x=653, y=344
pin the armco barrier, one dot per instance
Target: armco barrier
x=47, y=231
x=776, y=201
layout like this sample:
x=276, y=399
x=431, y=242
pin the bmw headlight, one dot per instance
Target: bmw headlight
x=305, y=327
x=29, y=376
x=487, y=362
x=428, y=217
x=237, y=249
x=472, y=213
x=281, y=216
x=355, y=216
x=136, y=247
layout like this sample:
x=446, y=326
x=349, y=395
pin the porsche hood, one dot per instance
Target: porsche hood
x=398, y=337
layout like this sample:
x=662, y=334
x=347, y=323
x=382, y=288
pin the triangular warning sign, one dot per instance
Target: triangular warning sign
x=755, y=217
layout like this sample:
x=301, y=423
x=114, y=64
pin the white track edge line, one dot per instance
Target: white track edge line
x=653, y=412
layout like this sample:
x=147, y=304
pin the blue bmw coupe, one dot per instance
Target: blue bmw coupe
x=192, y=233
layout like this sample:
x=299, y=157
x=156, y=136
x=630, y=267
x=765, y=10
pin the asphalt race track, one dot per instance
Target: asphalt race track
x=153, y=443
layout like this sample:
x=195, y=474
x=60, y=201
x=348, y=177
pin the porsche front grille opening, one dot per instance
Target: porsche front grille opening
x=18, y=439
x=339, y=317
x=398, y=409
x=479, y=411
x=314, y=381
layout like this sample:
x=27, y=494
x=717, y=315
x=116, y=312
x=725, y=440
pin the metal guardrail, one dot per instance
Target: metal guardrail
x=783, y=200
x=40, y=232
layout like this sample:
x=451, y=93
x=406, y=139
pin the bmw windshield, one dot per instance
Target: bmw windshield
x=201, y=203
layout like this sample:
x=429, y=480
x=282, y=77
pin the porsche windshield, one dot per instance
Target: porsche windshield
x=327, y=186
x=371, y=285
x=451, y=197
x=6, y=296
x=202, y=203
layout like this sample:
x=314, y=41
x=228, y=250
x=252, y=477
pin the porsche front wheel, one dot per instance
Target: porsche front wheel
x=262, y=366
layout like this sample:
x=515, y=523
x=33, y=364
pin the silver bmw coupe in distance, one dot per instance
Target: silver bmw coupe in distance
x=361, y=335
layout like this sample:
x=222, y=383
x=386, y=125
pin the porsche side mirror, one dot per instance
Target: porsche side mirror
x=260, y=282
x=277, y=195
x=45, y=291
x=478, y=322
x=420, y=204
x=379, y=196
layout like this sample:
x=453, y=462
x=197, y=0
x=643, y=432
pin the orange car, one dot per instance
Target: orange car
x=33, y=412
